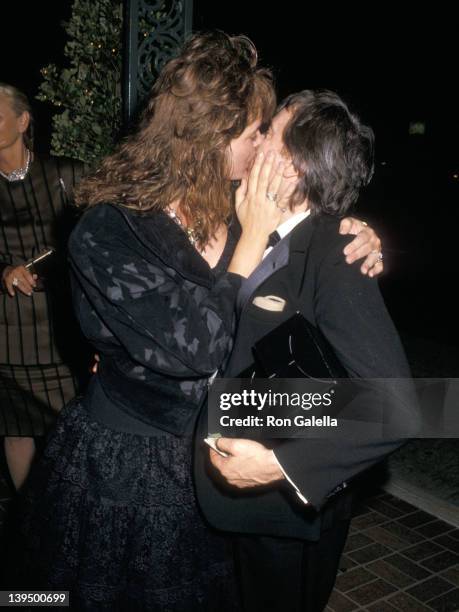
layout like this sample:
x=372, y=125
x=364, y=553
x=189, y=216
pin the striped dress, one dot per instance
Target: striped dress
x=39, y=339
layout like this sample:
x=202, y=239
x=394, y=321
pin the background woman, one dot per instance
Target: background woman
x=35, y=377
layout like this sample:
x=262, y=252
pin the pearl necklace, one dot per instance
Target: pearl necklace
x=20, y=173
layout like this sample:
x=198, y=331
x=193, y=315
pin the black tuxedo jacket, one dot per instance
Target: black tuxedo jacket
x=308, y=270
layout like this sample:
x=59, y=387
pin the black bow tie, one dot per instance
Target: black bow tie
x=274, y=238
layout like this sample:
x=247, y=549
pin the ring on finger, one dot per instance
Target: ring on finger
x=380, y=256
x=272, y=197
x=15, y=282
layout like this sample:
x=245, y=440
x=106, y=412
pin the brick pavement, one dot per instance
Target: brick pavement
x=398, y=558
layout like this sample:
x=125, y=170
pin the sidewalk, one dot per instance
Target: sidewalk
x=398, y=558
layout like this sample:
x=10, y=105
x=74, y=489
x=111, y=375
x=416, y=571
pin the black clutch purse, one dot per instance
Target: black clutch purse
x=295, y=349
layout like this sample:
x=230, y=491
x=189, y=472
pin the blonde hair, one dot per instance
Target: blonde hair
x=20, y=104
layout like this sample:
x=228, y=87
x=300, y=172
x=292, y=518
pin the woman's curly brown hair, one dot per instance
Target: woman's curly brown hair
x=202, y=100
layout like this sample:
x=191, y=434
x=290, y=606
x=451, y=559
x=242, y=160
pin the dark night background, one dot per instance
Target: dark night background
x=393, y=69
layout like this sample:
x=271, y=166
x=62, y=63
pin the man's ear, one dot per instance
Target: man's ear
x=290, y=171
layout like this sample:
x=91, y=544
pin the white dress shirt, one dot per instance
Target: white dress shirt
x=283, y=230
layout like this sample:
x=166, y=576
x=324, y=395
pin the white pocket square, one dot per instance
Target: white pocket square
x=269, y=302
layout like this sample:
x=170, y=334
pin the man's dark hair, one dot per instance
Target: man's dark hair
x=330, y=148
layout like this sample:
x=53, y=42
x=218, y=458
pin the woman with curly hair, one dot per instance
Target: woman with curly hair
x=156, y=265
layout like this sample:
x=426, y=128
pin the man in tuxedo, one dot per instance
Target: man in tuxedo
x=289, y=504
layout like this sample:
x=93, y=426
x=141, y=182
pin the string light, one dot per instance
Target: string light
x=65, y=87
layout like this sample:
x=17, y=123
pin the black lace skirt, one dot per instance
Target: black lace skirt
x=112, y=517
